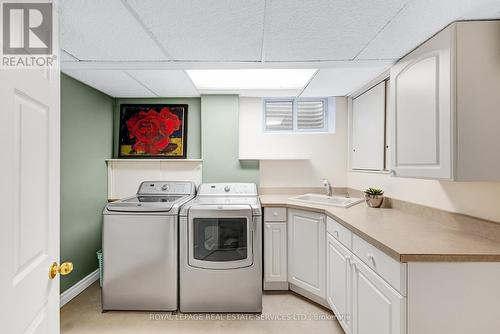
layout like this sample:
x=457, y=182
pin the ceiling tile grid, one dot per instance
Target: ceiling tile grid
x=120, y=34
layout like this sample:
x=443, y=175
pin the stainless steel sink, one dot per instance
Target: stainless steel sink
x=335, y=200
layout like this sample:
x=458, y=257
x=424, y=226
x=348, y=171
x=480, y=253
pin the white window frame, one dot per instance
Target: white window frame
x=328, y=122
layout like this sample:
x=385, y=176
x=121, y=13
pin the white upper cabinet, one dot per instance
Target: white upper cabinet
x=368, y=129
x=444, y=105
x=421, y=110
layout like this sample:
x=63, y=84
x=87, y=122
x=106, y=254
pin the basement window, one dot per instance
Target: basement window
x=299, y=115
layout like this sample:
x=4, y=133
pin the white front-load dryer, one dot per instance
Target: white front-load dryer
x=220, y=258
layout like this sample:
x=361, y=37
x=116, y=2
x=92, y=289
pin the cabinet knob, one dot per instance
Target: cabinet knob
x=392, y=172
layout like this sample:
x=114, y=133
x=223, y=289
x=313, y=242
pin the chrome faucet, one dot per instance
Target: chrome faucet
x=328, y=187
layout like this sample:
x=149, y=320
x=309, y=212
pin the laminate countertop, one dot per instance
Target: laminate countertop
x=403, y=236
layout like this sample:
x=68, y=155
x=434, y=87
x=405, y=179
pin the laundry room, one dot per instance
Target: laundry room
x=262, y=166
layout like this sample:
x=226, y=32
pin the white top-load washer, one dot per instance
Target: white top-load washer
x=140, y=243
x=220, y=257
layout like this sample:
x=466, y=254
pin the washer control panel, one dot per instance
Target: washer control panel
x=228, y=189
x=166, y=188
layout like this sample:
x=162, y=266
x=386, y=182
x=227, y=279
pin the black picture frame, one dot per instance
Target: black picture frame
x=144, y=128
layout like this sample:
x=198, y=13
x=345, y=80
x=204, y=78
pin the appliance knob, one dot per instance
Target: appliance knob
x=226, y=189
x=165, y=187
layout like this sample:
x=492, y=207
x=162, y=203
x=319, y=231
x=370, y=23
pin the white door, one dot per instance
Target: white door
x=377, y=307
x=421, y=110
x=338, y=281
x=29, y=193
x=306, y=251
x=275, y=252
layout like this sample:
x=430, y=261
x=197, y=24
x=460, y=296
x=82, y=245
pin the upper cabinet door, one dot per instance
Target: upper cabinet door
x=421, y=110
x=368, y=129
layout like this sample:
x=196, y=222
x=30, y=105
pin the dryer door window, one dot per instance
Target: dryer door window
x=220, y=239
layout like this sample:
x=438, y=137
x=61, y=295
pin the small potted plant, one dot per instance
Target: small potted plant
x=374, y=197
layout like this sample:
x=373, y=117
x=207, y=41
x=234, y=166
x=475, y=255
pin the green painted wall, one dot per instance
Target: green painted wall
x=86, y=140
x=89, y=132
x=194, y=121
x=219, y=137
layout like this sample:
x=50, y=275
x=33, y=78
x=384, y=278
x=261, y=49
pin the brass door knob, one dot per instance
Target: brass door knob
x=63, y=269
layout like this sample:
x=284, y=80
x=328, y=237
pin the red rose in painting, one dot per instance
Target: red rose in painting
x=152, y=129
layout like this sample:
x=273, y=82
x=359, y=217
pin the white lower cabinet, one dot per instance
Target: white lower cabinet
x=275, y=256
x=363, y=301
x=338, y=283
x=307, y=252
x=376, y=306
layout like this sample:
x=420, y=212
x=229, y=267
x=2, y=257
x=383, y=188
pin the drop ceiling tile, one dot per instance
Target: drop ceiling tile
x=166, y=83
x=342, y=81
x=324, y=29
x=115, y=83
x=104, y=30
x=205, y=29
x=419, y=20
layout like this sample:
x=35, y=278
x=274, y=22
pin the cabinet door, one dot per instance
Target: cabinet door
x=368, y=127
x=377, y=307
x=307, y=251
x=275, y=248
x=338, y=281
x=421, y=110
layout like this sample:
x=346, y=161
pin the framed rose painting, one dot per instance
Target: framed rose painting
x=153, y=131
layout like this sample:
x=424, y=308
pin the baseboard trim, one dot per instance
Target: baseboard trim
x=275, y=285
x=76, y=289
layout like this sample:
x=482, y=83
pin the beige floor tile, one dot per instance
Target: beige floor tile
x=285, y=313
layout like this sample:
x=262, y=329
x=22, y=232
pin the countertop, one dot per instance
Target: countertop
x=403, y=236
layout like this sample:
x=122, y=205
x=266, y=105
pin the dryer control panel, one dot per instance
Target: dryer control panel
x=228, y=189
x=166, y=188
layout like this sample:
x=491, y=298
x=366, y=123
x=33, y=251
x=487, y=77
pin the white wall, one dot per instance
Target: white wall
x=478, y=199
x=323, y=154
x=125, y=175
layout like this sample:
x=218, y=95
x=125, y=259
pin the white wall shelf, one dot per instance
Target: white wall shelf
x=125, y=175
x=274, y=159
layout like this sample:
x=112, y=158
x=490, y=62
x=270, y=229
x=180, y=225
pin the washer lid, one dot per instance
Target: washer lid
x=141, y=203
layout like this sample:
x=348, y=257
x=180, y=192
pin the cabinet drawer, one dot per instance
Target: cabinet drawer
x=275, y=214
x=339, y=232
x=390, y=270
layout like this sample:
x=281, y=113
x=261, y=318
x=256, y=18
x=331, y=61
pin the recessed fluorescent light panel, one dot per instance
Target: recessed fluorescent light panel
x=251, y=78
